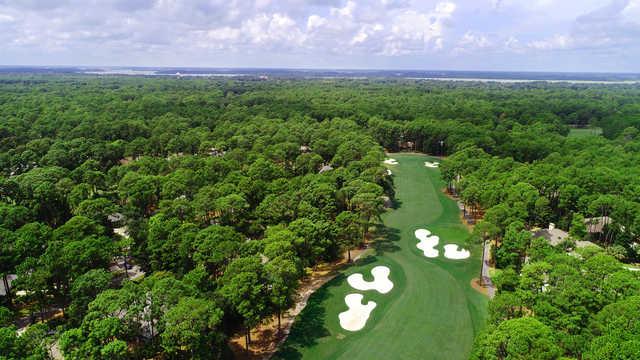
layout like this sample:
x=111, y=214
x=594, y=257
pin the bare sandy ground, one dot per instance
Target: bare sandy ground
x=356, y=317
x=380, y=283
x=427, y=243
x=454, y=252
x=265, y=338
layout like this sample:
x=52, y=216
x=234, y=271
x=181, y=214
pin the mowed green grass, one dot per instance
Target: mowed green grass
x=432, y=311
x=585, y=132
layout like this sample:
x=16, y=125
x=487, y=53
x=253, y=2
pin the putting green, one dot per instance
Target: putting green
x=432, y=311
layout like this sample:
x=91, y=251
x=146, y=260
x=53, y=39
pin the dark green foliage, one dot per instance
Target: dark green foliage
x=223, y=197
x=521, y=338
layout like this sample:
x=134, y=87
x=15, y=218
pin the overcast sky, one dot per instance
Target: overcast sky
x=520, y=35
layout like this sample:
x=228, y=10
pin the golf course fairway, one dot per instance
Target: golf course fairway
x=431, y=313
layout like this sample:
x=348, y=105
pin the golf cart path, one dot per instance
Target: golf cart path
x=486, y=277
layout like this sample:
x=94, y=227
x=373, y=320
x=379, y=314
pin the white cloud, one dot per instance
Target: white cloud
x=415, y=33
x=471, y=40
x=557, y=42
x=6, y=18
x=632, y=11
x=513, y=44
x=224, y=34
x=347, y=10
x=360, y=37
x=261, y=4
x=273, y=29
x=615, y=25
x=315, y=21
x=366, y=32
x=263, y=30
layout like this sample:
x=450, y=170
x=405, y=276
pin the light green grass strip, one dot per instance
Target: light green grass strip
x=432, y=311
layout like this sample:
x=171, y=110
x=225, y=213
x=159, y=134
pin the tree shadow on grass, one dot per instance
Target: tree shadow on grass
x=363, y=261
x=396, y=204
x=310, y=323
x=309, y=326
x=386, y=239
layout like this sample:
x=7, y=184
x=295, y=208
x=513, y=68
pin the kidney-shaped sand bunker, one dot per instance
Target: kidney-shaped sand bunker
x=380, y=283
x=356, y=317
x=427, y=243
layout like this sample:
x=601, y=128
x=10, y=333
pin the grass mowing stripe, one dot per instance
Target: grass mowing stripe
x=432, y=311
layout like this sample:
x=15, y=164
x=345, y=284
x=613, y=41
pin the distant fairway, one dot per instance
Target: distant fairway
x=432, y=311
x=585, y=132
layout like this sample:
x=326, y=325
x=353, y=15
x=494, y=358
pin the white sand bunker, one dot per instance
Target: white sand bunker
x=427, y=243
x=451, y=252
x=356, y=317
x=391, y=162
x=380, y=283
x=434, y=164
x=389, y=172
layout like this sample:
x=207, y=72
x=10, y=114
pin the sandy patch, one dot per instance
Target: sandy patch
x=266, y=338
x=451, y=252
x=122, y=231
x=427, y=243
x=380, y=283
x=391, y=162
x=430, y=164
x=389, y=172
x=356, y=317
x=475, y=284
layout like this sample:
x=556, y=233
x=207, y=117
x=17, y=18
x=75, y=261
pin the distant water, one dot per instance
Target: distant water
x=482, y=76
x=511, y=81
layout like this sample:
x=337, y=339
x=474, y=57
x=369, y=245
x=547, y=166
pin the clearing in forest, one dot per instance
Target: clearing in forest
x=430, y=313
x=585, y=132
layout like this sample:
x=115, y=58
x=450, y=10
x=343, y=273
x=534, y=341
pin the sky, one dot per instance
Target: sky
x=512, y=35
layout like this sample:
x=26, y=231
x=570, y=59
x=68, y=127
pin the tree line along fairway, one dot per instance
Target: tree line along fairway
x=431, y=313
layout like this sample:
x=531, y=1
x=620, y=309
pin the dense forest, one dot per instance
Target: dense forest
x=157, y=217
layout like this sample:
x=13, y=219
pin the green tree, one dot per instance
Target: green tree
x=282, y=275
x=215, y=247
x=8, y=257
x=115, y=350
x=520, y=338
x=244, y=288
x=191, y=330
x=9, y=347
x=13, y=216
x=347, y=225
x=85, y=288
x=141, y=191
x=514, y=246
x=32, y=240
x=505, y=306
x=96, y=339
x=96, y=209
x=369, y=206
x=6, y=316
x=578, y=229
x=232, y=208
x=618, y=331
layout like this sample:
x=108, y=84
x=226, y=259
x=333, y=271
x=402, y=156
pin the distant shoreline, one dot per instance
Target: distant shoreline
x=532, y=80
x=266, y=73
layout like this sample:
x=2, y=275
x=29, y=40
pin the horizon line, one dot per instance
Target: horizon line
x=315, y=69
